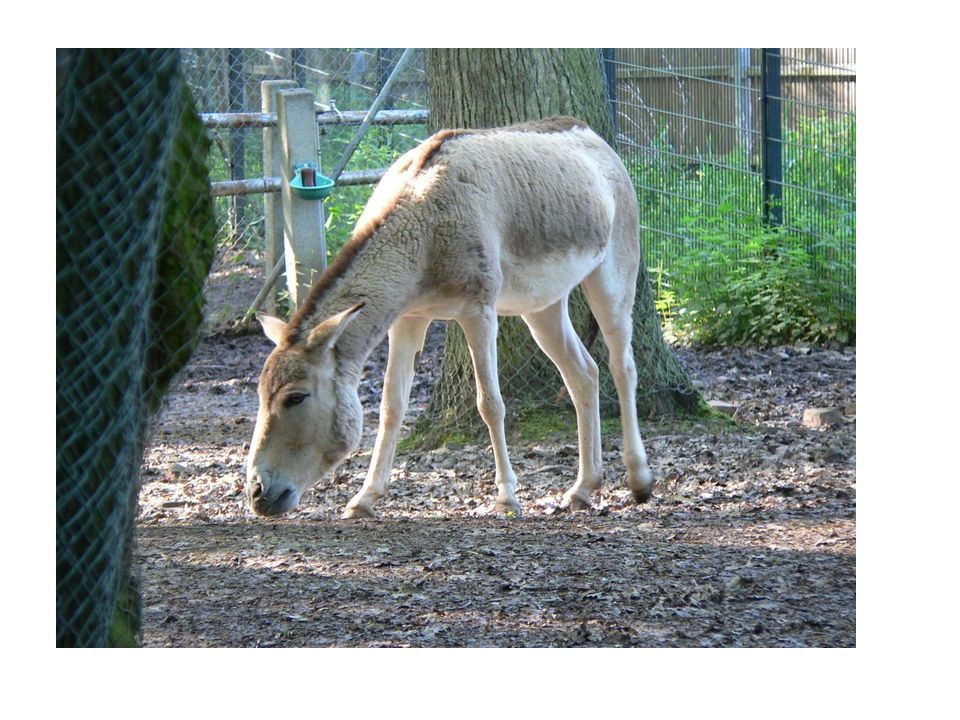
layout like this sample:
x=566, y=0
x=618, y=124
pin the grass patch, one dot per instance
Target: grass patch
x=533, y=424
x=422, y=437
x=559, y=424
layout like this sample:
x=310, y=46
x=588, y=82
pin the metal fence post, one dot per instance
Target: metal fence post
x=371, y=113
x=770, y=107
x=304, y=243
x=272, y=167
x=384, y=70
x=298, y=63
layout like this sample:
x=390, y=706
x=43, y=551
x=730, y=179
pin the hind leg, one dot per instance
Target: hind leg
x=610, y=292
x=553, y=332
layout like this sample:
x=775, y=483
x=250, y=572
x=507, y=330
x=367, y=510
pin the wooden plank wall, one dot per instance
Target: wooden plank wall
x=686, y=97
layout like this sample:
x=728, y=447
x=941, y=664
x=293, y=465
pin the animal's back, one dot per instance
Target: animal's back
x=542, y=190
x=512, y=216
x=544, y=198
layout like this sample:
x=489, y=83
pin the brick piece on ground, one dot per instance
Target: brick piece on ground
x=822, y=417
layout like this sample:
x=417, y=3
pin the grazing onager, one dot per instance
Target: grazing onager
x=469, y=225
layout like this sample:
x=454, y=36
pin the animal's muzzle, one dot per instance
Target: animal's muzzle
x=275, y=499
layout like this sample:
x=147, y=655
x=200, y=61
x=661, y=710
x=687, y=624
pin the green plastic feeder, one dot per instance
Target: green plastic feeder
x=321, y=187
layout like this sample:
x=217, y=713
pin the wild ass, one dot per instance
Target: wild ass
x=470, y=225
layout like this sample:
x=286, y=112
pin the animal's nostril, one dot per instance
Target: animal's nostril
x=284, y=495
x=256, y=491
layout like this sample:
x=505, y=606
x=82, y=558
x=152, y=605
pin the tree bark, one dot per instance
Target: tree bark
x=495, y=87
x=477, y=88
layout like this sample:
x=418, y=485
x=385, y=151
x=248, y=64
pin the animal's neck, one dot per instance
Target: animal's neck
x=382, y=277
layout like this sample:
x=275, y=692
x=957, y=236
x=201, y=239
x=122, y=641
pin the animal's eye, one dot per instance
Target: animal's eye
x=294, y=399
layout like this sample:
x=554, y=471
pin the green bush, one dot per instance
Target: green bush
x=754, y=285
x=723, y=276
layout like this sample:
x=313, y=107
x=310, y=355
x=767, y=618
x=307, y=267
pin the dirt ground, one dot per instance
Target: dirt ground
x=750, y=539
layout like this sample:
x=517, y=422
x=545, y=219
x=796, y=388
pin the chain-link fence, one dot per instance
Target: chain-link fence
x=692, y=127
x=134, y=245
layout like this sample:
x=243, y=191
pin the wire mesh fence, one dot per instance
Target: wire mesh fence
x=690, y=128
x=736, y=136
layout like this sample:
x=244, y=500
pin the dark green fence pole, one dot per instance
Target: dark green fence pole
x=771, y=111
x=298, y=62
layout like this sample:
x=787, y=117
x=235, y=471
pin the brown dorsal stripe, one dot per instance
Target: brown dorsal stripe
x=427, y=149
x=561, y=123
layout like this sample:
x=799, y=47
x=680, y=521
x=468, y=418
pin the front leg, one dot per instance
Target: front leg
x=406, y=338
x=480, y=329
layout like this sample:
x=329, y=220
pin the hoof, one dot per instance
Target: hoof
x=508, y=508
x=357, y=512
x=642, y=486
x=575, y=503
x=641, y=496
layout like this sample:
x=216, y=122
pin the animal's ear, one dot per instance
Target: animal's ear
x=273, y=327
x=324, y=335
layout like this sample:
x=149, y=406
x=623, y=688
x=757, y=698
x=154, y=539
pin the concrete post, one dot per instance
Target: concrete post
x=272, y=202
x=304, y=244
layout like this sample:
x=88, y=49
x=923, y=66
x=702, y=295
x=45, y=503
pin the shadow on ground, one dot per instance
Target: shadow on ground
x=567, y=580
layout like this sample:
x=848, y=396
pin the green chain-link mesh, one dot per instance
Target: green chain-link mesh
x=134, y=242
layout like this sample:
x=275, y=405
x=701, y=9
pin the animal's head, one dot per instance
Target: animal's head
x=309, y=419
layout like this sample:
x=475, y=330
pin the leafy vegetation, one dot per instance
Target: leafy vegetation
x=750, y=284
x=379, y=148
x=723, y=275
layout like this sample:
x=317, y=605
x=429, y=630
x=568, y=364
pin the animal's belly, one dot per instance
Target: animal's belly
x=530, y=287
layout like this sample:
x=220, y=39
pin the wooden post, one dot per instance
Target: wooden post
x=272, y=164
x=303, y=239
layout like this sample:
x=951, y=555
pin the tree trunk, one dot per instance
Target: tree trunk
x=476, y=88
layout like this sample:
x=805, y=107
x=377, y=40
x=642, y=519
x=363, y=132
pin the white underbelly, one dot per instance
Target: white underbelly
x=525, y=288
